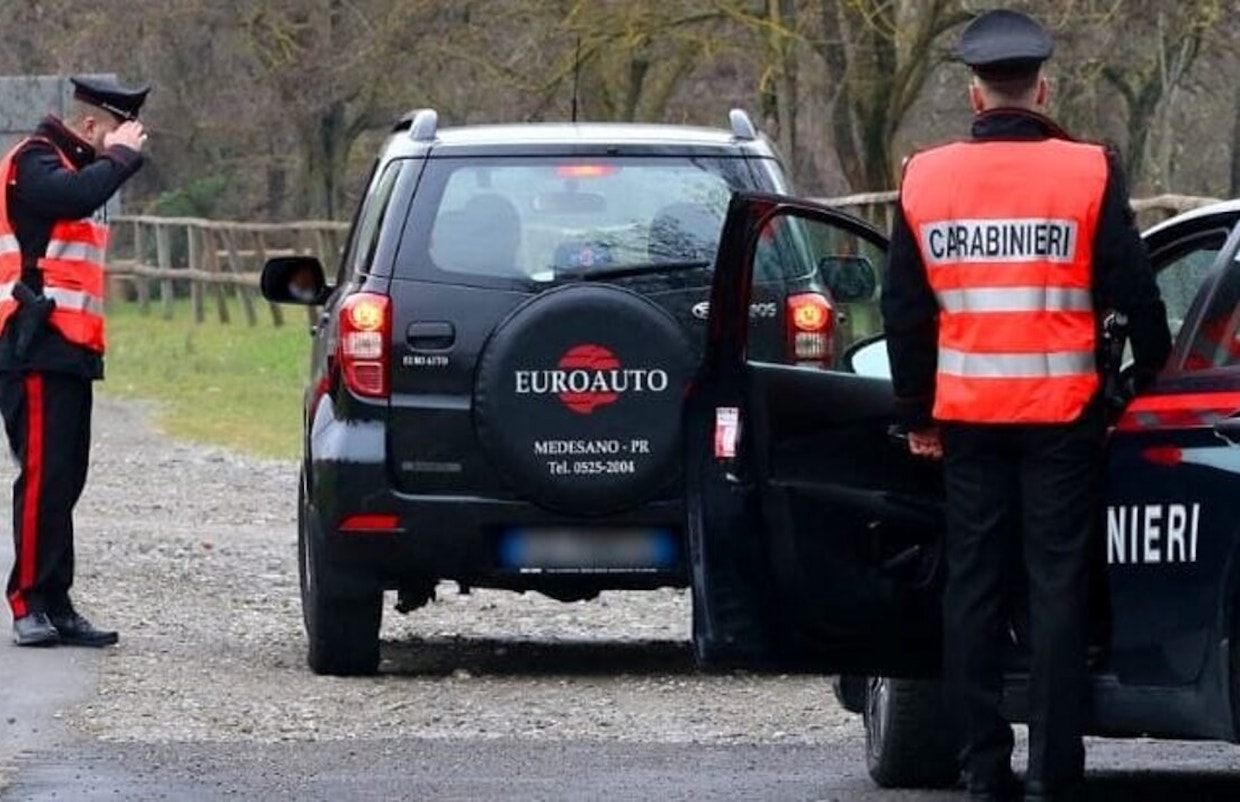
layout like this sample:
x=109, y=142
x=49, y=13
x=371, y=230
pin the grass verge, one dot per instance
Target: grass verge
x=228, y=384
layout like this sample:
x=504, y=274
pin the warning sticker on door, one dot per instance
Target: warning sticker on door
x=727, y=428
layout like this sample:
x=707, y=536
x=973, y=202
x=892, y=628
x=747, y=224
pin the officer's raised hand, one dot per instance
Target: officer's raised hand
x=130, y=134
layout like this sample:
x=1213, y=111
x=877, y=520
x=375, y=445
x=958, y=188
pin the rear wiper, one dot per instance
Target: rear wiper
x=620, y=271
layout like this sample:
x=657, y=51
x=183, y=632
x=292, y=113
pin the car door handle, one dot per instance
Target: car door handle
x=432, y=335
x=1229, y=429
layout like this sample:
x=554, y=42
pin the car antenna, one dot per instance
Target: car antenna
x=576, y=75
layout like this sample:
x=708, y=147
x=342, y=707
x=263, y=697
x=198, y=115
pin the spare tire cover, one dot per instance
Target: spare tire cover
x=578, y=398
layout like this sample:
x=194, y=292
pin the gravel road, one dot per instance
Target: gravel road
x=190, y=552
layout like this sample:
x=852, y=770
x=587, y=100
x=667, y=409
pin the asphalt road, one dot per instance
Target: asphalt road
x=521, y=771
x=44, y=760
x=35, y=684
x=487, y=743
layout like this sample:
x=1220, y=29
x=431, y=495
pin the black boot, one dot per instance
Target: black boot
x=1003, y=787
x=35, y=629
x=77, y=631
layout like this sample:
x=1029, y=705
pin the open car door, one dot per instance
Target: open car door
x=815, y=536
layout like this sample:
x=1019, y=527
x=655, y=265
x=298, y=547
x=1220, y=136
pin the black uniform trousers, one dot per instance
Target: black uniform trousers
x=47, y=417
x=1013, y=488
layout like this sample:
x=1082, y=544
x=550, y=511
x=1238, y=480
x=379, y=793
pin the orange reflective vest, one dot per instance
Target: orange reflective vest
x=1006, y=232
x=72, y=269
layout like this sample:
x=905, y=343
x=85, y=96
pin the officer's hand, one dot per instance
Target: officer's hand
x=925, y=443
x=131, y=134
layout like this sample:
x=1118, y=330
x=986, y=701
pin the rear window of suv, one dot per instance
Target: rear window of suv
x=543, y=219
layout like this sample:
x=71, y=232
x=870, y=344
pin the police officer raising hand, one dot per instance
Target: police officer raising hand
x=1008, y=250
x=52, y=250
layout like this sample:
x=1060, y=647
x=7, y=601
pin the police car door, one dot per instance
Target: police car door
x=1172, y=514
x=814, y=534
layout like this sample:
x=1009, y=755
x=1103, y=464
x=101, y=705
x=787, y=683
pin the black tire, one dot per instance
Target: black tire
x=908, y=742
x=342, y=628
x=850, y=691
x=1233, y=669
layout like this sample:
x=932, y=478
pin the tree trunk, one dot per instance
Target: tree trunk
x=783, y=16
x=1233, y=188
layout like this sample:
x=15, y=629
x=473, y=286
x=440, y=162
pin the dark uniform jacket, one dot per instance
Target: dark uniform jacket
x=42, y=192
x=1122, y=280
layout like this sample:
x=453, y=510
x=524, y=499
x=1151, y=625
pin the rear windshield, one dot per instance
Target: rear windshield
x=543, y=219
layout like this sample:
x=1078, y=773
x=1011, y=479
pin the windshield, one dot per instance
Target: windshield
x=547, y=219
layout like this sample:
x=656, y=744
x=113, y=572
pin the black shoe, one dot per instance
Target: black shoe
x=1036, y=791
x=77, y=631
x=1004, y=788
x=35, y=629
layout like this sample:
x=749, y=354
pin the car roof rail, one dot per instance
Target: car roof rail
x=742, y=126
x=422, y=124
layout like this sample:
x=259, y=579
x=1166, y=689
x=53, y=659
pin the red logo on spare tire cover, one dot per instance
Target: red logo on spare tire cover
x=591, y=358
x=588, y=377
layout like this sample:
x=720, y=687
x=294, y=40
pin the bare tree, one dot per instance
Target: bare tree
x=332, y=67
x=1162, y=46
x=273, y=109
x=879, y=52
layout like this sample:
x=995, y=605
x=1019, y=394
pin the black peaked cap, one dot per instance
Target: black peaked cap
x=1004, y=42
x=121, y=101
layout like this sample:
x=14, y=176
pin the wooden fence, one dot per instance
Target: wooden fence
x=158, y=259
x=155, y=260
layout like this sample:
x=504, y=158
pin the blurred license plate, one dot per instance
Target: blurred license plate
x=569, y=550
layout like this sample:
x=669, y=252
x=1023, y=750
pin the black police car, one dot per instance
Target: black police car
x=499, y=369
x=816, y=537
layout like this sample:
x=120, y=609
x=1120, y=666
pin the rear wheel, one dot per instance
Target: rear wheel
x=907, y=734
x=1234, y=667
x=342, y=622
x=850, y=690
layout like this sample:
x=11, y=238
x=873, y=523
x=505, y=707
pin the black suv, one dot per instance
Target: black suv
x=499, y=369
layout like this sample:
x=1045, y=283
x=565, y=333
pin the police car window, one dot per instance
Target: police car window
x=549, y=219
x=1183, y=271
x=1215, y=342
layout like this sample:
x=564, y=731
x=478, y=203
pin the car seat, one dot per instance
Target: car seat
x=481, y=238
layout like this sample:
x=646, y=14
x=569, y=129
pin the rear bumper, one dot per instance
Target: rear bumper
x=470, y=539
x=459, y=537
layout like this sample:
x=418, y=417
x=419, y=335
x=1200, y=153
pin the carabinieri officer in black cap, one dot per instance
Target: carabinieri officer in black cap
x=53, y=240
x=1008, y=250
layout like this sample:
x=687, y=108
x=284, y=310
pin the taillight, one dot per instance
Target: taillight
x=365, y=337
x=811, y=324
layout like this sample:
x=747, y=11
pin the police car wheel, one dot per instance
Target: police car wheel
x=905, y=724
x=1234, y=668
x=342, y=629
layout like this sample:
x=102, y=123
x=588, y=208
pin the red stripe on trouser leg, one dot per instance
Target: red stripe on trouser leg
x=33, y=471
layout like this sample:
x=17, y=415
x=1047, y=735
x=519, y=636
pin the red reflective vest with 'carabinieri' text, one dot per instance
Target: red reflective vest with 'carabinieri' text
x=72, y=269
x=1006, y=233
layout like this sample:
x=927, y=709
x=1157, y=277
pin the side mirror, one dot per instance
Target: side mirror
x=850, y=278
x=294, y=280
x=869, y=358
